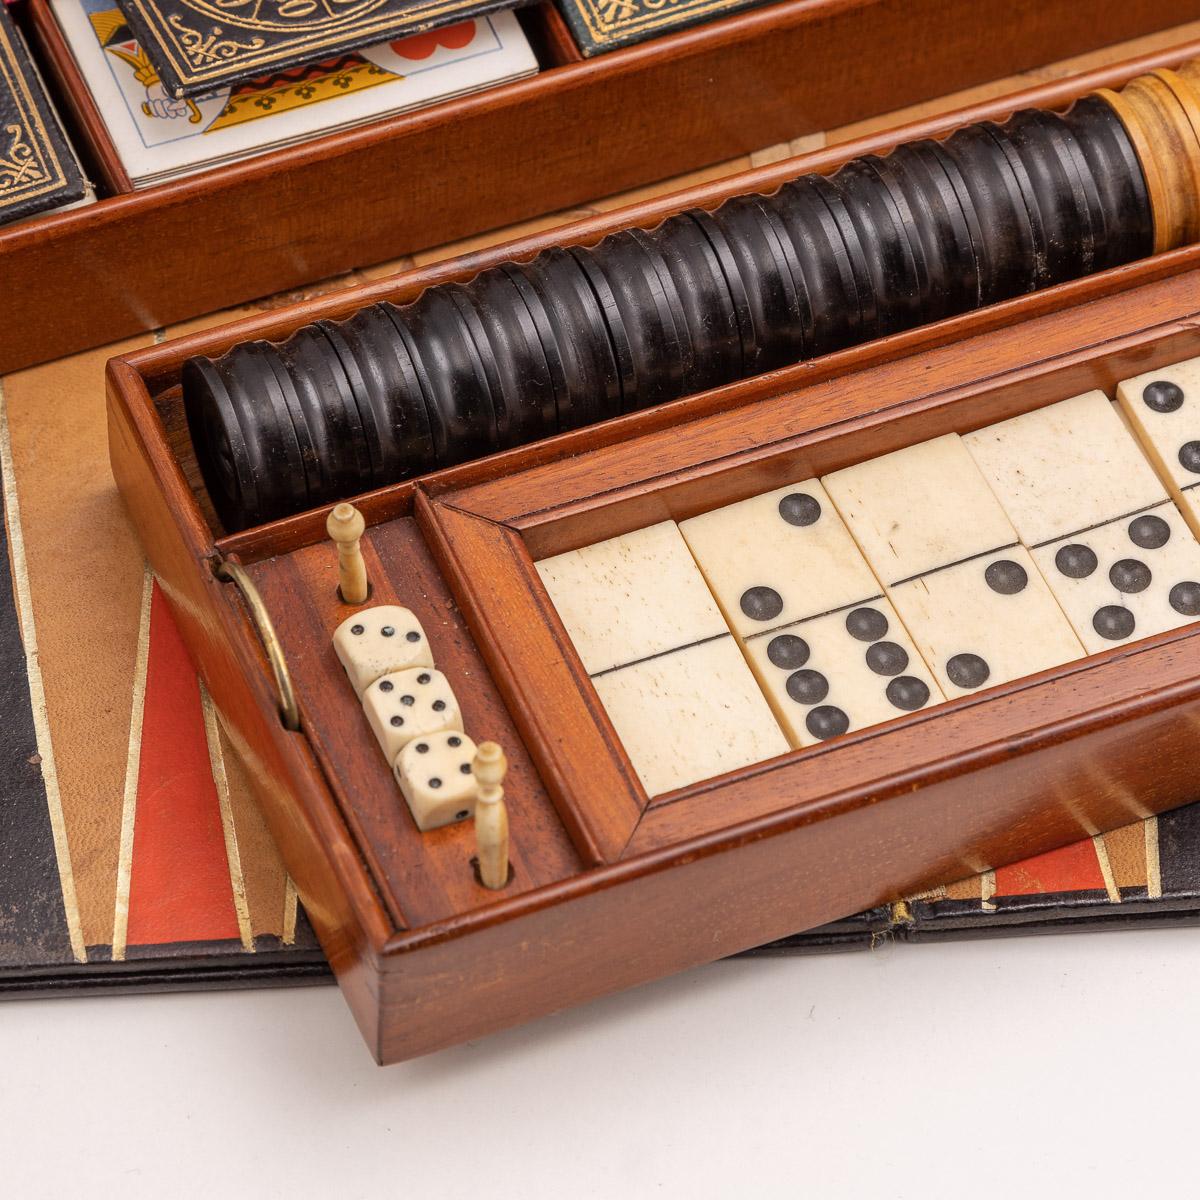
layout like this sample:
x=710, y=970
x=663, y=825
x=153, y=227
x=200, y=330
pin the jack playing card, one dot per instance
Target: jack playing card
x=160, y=137
x=199, y=46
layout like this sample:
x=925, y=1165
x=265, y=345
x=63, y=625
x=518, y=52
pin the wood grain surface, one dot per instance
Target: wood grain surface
x=730, y=862
x=205, y=897
x=160, y=365
x=134, y=262
x=863, y=821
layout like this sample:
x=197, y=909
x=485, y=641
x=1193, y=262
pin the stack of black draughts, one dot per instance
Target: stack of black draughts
x=575, y=336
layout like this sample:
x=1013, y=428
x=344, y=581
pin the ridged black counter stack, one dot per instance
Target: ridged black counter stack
x=528, y=350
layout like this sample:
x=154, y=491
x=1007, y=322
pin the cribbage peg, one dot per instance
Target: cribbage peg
x=345, y=526
x=491, y=816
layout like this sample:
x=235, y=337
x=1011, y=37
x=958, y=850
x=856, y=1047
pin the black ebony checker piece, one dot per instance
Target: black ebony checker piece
x=525, y=351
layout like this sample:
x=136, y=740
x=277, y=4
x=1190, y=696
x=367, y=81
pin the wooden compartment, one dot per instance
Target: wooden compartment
x=542, y=23
x=611, y=889
x=138, y=261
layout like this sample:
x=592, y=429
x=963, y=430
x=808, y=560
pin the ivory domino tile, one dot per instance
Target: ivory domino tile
x=918, y=509
x=661, y=657
x=1163, y=406
x=1097, y=519
x=1130, y=578
x=827, y=647
x=778, y=558
x=985, y=621
x=842, y=671
x=951, y=563
x=690, y=714
x=1065, y=467
x=631, y=596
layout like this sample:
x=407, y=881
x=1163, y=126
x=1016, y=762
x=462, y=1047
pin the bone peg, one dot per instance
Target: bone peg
x=491, y=816
x=345, y=527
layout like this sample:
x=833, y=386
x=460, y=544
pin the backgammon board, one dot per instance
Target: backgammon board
x=134, y=855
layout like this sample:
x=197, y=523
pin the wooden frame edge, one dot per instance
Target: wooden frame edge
x=491, y=576
x=155, y=362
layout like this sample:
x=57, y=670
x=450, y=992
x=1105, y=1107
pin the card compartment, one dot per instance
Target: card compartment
x=644, y=113
x=89, y=133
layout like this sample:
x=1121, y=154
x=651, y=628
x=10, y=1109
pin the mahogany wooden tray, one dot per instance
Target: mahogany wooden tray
x=142, y=260
x=611, y=889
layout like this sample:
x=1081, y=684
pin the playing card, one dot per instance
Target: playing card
x=160, y=137
x=197, y=46
x=38, y=170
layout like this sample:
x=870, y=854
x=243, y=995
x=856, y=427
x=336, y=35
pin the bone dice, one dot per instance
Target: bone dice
x=412, y=711
x=435, y=774
x=378, y=641
x=409, y=704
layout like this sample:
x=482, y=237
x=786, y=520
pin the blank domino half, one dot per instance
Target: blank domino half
x=664, y=664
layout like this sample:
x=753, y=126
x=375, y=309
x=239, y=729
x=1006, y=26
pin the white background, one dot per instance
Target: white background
x=1039, y=1067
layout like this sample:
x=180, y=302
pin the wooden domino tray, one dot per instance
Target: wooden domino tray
x=611, y=888
x=139, y=260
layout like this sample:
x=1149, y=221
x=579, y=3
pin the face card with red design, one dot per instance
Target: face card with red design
x=160, y=137
x=199, y=46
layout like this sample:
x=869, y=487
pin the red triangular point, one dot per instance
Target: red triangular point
x=179, y=889
x=1073, y=868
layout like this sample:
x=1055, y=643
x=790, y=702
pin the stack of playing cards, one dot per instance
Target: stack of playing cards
x=159, y=136
x=38, y=170
x=198, y=46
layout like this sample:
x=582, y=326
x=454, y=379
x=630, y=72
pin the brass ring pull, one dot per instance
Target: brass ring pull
x=289, y=710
